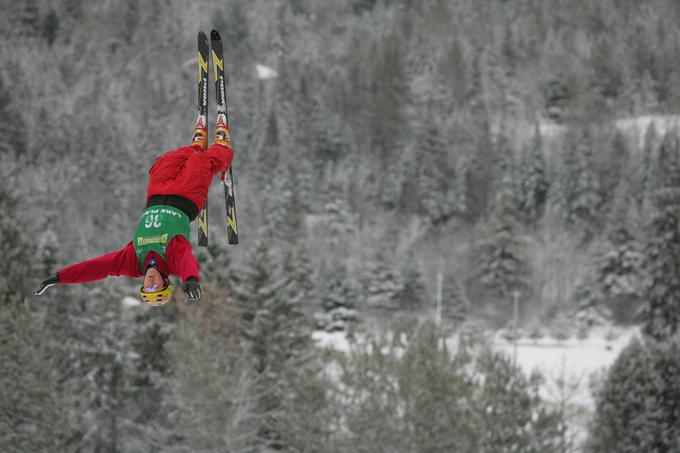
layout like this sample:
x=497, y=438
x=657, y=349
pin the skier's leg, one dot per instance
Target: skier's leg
x=168, y=166
x=193, y=182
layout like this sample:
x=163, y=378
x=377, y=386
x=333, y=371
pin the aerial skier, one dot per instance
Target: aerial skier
x=177, y=192
x=178, y=187
x=179, y=182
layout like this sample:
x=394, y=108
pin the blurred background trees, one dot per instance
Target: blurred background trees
x=523, y=146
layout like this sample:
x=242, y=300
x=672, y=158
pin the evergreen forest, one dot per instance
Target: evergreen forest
x=404, y=171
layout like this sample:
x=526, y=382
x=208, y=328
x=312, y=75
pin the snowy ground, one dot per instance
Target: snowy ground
x=567, y=366
x=568, y=363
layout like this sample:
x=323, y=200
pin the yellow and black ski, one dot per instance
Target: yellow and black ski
x=200, y=136
x=222, y=134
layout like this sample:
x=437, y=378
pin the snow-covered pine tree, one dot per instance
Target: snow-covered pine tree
x=388, y=119
x=34, y=409
x=212, y=392
x=294, y=219
x=455, y=306
x=612, y=167
x=381, y=281
x=277, y=208
x=505, y=171
x=502, y=262
x=414, y=293
x=277, y=338
x=669, y=160
x=298, y=271
x=533, y=180
x=480, y=180
x=18, y=263
x=13, y=140
x=393, y=182
x=557, y=96
x=150, y=369
x=614, y=285
x=661, y=255
x=649, y=170
x=425, y=378
x=498, y=410
x=340, y=222
x=215, y=262
x=33, y=412
x=104, y=414
x=637, y=407
x=583, y=191
x=512, y=417
x=330, y=140
x=338, y=298
x=286, y=114
x=435, y=176
x=459, y=196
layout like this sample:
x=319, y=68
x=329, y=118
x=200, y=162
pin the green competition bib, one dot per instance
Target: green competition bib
x=157, y=226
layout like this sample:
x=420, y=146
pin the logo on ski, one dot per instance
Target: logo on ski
x=231, y=223
x=203, y=66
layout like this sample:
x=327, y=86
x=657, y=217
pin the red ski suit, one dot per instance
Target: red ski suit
x=187, y=172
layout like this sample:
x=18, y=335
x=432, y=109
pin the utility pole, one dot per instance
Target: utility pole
x=438, y=312
x=515, y=320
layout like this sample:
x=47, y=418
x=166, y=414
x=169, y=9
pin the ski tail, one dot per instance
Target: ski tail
x=201, y=130
x=222, y=134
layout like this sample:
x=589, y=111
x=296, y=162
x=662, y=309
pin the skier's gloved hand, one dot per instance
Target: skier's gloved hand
x=193, y=288
x=49, y=281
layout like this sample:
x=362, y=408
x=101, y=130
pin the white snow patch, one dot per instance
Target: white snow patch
x=637, y=126
x=265, y=72
x=634, y=128
x=567, y=365
x=550, y=130
x=332, y=340
x=130, y=302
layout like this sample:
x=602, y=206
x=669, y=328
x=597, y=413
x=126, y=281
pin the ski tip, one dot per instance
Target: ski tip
x=202, y=37
x=215, y=35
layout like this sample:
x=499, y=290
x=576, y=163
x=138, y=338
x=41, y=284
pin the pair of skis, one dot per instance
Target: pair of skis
x=222, y=128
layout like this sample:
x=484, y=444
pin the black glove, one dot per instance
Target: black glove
x=193, y=288
x=49, y=281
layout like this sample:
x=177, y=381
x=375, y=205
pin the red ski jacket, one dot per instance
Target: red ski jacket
x=180, y=262
x=186, y=172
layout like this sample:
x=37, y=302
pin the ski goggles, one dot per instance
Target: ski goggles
x=154, y=297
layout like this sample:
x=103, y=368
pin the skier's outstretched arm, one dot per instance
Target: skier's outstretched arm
x=123, y=262
x=181, y=260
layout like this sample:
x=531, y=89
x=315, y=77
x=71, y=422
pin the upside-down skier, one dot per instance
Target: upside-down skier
x=178, y=187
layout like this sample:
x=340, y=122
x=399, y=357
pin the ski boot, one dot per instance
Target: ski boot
x=200, y=136
x=222, y=136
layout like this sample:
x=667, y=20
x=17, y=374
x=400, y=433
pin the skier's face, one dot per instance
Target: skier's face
x=153, y=280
